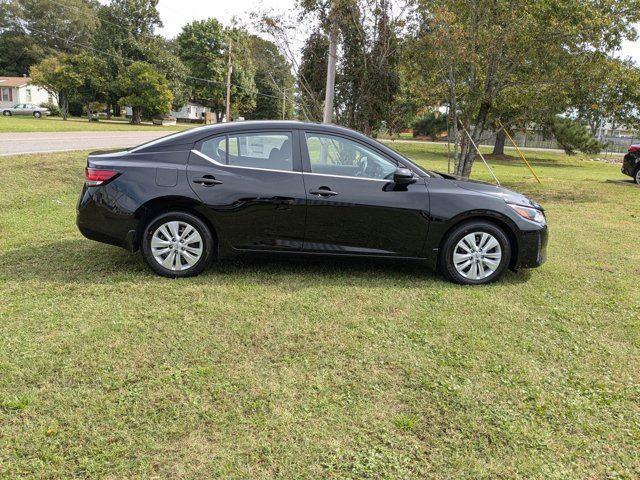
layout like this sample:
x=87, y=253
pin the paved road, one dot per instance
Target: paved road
x=37, y=142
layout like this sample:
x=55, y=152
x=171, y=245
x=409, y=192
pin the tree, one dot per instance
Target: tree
x=573, y=135
x=203, y=46
x=57, y=75
x=30, y=30
x=273, y=80
x=606, y=89
x=145, y=90
x=127, y=34
x=477, y=51
x=311, y=79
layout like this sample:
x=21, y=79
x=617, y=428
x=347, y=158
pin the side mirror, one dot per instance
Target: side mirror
x=403, y=176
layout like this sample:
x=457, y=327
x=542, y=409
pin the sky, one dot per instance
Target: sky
x=176, y=13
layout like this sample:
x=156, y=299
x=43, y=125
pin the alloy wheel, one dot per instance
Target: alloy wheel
x=176, y=245
x=477, y=256
x=637, y=179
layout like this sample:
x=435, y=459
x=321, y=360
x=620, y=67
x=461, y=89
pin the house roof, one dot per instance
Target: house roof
x=14, y=81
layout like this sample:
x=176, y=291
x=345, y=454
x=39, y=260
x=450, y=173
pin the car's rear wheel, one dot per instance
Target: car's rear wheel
x=177, y=244
x=636, y=177
x=37, y=114
x=475, y=253
x=6, y=113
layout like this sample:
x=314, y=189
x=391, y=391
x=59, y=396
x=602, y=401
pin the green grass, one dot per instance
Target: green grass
x=320, y=369
x=17, y=123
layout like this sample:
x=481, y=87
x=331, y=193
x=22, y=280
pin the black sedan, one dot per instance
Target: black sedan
x=289, y=187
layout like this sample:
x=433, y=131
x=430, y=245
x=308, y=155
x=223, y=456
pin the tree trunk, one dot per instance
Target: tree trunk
x=116, y=110
x=135, y=115
x=63, y=103
x=331, y=74
x=498, y=147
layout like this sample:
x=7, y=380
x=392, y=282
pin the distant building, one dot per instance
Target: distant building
x=16, y=90
x=192, y=111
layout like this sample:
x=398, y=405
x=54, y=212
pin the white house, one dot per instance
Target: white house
x=15, y=90
x=191, y=111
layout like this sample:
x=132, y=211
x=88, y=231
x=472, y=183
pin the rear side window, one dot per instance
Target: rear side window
x=254, y=150
x=215, y=148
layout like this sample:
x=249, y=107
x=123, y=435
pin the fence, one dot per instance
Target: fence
x=534, y=139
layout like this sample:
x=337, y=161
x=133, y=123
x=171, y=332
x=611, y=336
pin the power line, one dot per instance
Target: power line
x=114, y=55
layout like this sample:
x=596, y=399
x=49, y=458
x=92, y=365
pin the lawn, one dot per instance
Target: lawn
x=17, y=123
x=320, y=369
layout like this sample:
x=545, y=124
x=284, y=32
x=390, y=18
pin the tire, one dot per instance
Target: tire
x=487, y=264
x=178, y=256
x=6, y=113
x=636, y=177
x=37, y=114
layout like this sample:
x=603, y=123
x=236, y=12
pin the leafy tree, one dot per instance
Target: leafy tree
x=312, y=74
x=273, y=80
x=429, y=125
x=606, y=89
x=573, y=135
x=30, y=30
x=145, y=90
x=57, y=75
x=127, y=34
x=470, y=54
x=203, y=46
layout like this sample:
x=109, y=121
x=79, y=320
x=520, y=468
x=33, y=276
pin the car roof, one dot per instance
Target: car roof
x=197, y=134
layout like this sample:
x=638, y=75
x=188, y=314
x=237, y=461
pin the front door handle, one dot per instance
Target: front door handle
x=324, y=192
x=207, y=181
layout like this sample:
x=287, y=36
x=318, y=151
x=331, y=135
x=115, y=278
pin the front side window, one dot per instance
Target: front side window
x=255, y=150
x=333, y=155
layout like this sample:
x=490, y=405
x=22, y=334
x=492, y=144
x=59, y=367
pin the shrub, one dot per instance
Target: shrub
x=573, y=135
x=52, y=107
x=429, y=125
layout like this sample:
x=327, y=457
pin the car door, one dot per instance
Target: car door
x=18, y=109
x=28, y=109
x=353, y=205
x=252, y=186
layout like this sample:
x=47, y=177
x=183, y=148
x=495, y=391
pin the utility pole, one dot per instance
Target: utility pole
x=229, y=70
x=284, y=101
x=331, y=70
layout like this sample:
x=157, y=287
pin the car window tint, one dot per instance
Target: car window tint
x=215, y=148
x=261, y=150
x=333, y=155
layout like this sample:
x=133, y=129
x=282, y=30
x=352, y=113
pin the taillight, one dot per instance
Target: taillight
x=634, y=149
x=95, y=176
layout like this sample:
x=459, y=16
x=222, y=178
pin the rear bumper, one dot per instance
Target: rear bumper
x=99, y=221
x=533, y=248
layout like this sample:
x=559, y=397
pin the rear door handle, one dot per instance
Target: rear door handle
x=207, y=181
x=323, y=193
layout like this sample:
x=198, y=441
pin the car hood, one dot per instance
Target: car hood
x=507, y=195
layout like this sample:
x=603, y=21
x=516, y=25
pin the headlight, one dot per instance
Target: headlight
x=528, y=213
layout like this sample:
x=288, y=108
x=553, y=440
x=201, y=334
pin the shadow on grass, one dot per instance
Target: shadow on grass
x=82, y=261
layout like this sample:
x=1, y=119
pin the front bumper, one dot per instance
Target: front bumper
x=630, y=164
x=533, y=248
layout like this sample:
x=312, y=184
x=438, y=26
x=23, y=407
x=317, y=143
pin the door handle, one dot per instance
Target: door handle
x=323, y=192
x=207, y=181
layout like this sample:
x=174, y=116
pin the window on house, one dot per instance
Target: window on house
x=28, y=95
x=5, y=94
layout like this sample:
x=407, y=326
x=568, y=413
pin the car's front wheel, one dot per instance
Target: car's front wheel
x=475, y=253
x=177, y=244
x=636, y=177
x=6, y=113
x=37, y=114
